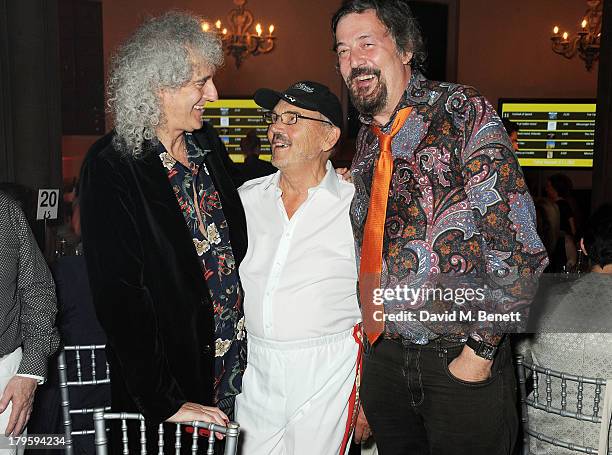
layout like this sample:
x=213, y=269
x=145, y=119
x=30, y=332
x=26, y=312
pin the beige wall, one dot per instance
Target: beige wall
x=73, y=152
x=504, y=45
x=505, y=49
x=303, y=49
x=505, y=52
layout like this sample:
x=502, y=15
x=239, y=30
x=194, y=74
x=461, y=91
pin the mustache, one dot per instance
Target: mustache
x=363, y=71
x=281, y=137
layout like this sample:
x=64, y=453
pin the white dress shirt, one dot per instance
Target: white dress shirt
x=299, y=275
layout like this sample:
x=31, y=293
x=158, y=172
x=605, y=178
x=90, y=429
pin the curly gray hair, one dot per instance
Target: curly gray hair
x=160, y=54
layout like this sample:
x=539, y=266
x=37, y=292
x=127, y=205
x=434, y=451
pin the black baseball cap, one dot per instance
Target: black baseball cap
x=307, y=95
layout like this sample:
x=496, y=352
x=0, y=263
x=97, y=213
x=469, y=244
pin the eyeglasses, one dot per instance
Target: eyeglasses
x=289, y=118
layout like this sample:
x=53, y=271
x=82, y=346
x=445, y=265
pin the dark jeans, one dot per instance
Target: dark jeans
x=415, y=406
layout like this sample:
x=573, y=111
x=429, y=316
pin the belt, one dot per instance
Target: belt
x=436, y=343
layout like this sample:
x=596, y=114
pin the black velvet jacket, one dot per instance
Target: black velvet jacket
x=147, y=283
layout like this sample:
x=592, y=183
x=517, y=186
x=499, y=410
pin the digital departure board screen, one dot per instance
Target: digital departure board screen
x=233, y=119
x=553, y=133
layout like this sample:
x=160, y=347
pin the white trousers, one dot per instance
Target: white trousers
x=295, y=395
x=9, y=364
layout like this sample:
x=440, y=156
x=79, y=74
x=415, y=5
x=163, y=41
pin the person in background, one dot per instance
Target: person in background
x=28, y=336
x=78, y=326
x=439, y=197
x=547, y=217
x=253, y=166
x=26, y=198
x=558, y=189
x=164, y=233
x=512, y=129
x=68, y=235
x=573, y=335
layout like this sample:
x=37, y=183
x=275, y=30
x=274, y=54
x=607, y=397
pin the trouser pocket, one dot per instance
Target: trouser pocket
x=449, y=354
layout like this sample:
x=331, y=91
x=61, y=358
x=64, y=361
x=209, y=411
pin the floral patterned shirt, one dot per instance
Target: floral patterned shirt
x=201, y=206
x=458, y=213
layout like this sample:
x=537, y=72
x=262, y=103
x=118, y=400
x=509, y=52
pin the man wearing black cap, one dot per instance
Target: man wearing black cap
x=299, y=278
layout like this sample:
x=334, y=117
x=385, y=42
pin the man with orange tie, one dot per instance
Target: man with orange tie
x=445, y=233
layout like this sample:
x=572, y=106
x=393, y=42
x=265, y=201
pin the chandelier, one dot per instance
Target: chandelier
x=240, y=41
x=586, y=41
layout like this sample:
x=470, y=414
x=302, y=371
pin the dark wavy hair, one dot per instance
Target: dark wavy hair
x=598, y=236
x=562, y=184
x=510, y=126
x=397, y=17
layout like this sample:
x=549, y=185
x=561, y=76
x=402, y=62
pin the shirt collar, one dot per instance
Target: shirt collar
x=272, y=180
x=195, y=153
x=330, y=182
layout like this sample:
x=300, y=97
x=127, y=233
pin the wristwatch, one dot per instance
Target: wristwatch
x=481, y=349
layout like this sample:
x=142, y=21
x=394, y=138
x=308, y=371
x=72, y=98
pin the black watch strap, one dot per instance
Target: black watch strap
x=482, y=349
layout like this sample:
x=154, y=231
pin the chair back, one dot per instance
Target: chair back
x=90, y=369
x=557, y=393
x=102, y=417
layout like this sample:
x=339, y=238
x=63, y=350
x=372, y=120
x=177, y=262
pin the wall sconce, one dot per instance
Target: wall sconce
x=586, y=41
x=240, y=41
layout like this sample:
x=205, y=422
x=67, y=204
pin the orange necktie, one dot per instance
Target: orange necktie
x=371, y=249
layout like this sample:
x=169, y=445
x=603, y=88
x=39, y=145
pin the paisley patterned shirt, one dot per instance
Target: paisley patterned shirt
x=201, y=206
x=459, y=215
